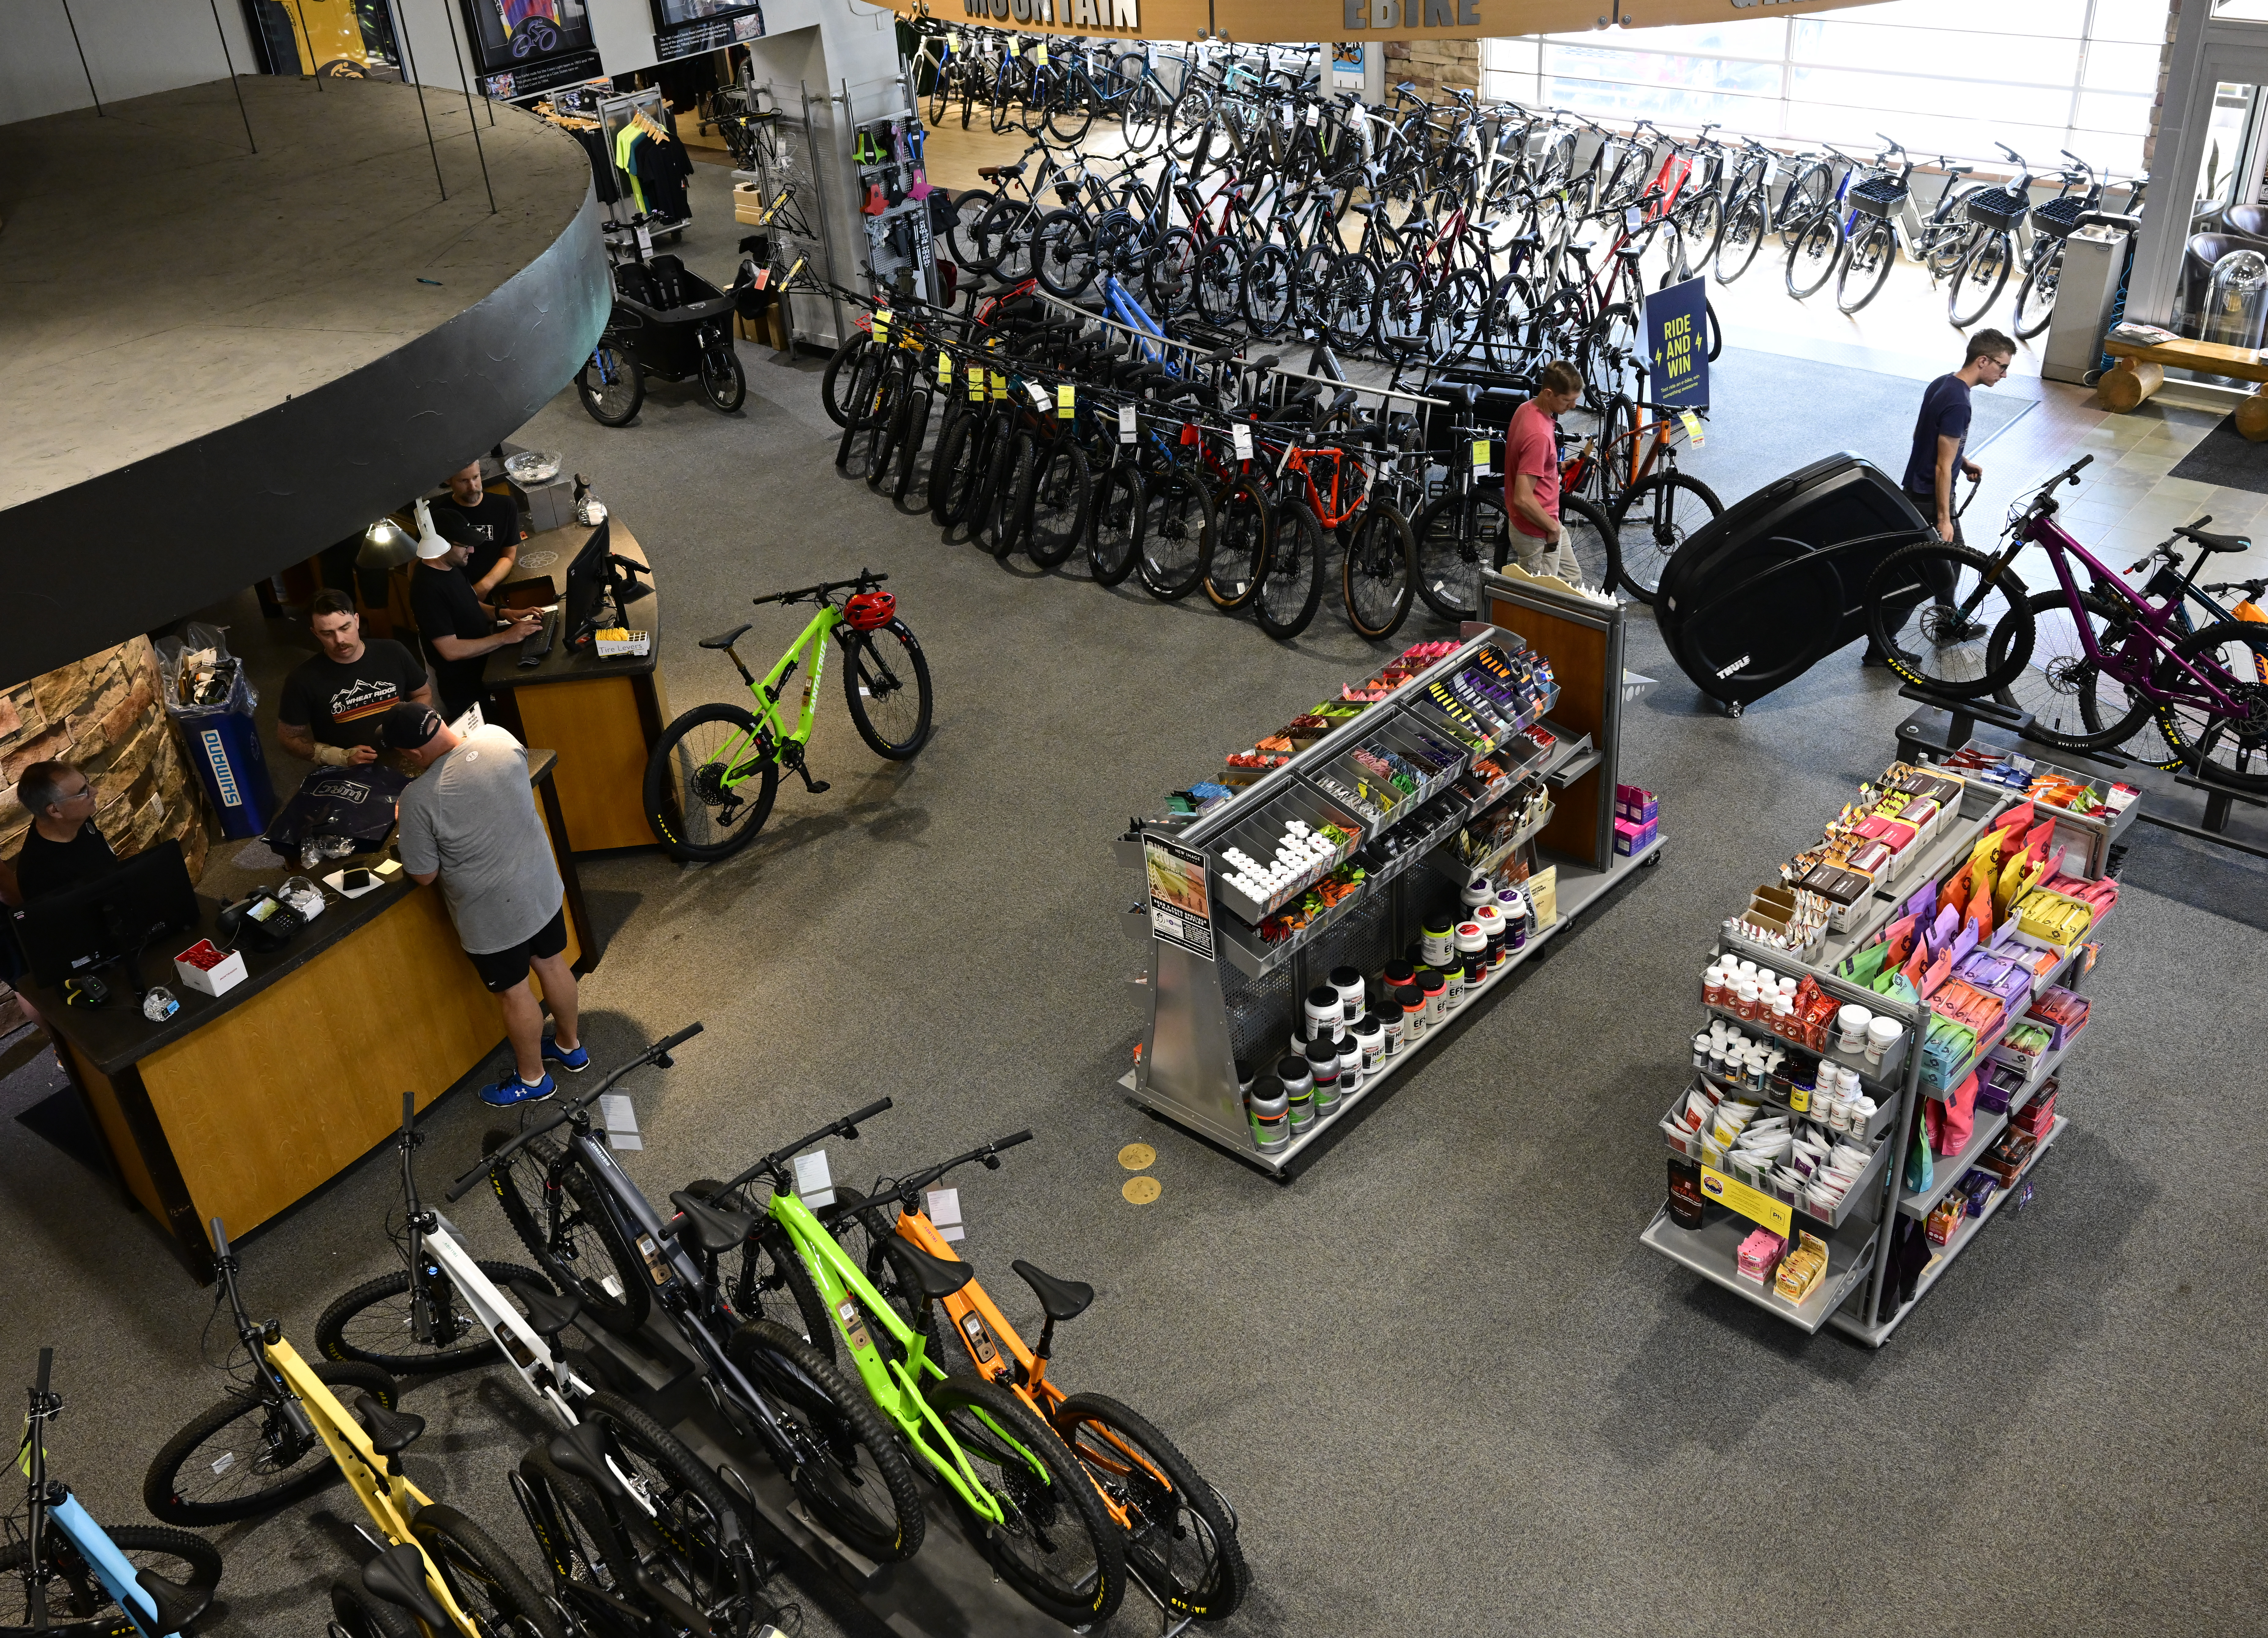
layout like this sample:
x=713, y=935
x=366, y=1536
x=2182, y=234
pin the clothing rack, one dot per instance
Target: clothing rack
x=615, y=112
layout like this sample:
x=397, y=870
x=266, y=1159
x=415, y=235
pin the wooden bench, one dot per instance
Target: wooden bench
x=2141, y=370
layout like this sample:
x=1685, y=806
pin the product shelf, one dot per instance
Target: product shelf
x=1948, y=1170
x=1712, y=1251
x=1882, y=1077
x=1489, y=863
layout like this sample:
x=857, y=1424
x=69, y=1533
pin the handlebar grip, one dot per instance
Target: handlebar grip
x=671, y=1042
x=1024, y=1136
x=219, y=1239
x=47, y=1367
x=408, y=1110
x=867, y=1113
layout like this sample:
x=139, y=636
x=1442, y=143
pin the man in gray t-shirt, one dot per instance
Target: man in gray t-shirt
x=469, y=820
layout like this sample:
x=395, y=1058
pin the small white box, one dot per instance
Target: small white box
x=619, y=645
x=225, y=973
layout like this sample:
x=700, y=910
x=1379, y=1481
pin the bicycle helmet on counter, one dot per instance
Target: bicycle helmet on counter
x=871, y=612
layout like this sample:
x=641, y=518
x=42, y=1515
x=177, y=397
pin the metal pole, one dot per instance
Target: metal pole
x=83, y=68
x=409, y=54
x=229, y=57
x=819, y=163
x=470, y=119
x=314, y=69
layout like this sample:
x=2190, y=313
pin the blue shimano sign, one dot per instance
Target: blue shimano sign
x=1677, y=345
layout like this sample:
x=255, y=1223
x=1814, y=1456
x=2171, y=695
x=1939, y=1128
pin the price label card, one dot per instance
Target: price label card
x=644, y=239
x=1757, y=1207
x=1038, y=395
x=763, y=277
x=977, y=384
x=956, y=42
x=945, y=1213
x=1633, y=218
x=1014, y=49
x=1066, y=400
x=1000, y=387
x=1241, y=435
x=1039, y=54
x=1126, y=423
x=881, y=324
x=1692, y=426
x=945, y=369
x=1312, y=116
x=1481, y=448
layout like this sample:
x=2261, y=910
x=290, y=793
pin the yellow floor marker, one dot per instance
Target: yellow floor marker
x=1141, y=1191
x=1136, y=1156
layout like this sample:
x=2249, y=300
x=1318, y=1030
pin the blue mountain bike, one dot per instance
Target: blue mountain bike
x=80, y=1581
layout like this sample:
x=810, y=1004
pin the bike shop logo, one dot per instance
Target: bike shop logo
x=1073, y=14
x=1405, y=13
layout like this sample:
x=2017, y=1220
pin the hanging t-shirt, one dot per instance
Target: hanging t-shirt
x=624, y=140
x=489, y=529
x=339, y=704
x=445, y=605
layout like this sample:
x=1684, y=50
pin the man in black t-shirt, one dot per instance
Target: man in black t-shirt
x=489, y=524
x=460, y=631
x=63, y=848
x=331, y=704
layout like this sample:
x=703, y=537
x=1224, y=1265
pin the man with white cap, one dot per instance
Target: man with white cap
x=460, y=631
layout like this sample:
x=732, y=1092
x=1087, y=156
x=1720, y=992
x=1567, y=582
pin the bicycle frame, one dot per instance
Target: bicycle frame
x=2137, y=660
x=813, y=638
x=78, y=1527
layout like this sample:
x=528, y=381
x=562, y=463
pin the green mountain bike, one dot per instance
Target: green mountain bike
x=711, y=782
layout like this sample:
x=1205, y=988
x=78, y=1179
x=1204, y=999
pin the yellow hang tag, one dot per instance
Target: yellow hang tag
x=1692, y=426
x=1064, y=400
x=999, y=386
x=1013, y=49
x=881, y=324
x=945, y=369
x=956, y=42
x=1480, y=455
x=1039, y=54
x=976, y=384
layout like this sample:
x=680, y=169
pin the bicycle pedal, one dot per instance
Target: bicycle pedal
x=817, y=788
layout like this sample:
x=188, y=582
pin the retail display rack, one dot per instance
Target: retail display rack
x=1223, y=993
x=615, y=112
x=1849, y=1294
x=788, y=148
x=900, y=248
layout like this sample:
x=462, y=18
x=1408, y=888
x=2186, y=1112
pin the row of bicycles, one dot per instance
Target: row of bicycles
x=844, y=1344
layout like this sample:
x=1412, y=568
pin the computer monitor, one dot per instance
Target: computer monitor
x=109, y=918
x=586, y=586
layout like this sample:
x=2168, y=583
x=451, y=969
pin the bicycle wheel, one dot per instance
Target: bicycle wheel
x=1979, y=280
x=1143, y=118
x=1744, y=233
x=359, y=1613
x=1610, y=354
x=1347, y=303
x=373, y=1324
x=1056, y=1546
x=711, y=782
x=1182, y=1540
x=865, y=402
x=1054, y=504
x=1244, y=525
x=2064, y=690
x=1169, y=275
x=1177, y=535
x=1293, y=588
x=1506, y=323
x=1816, y=254
x=1807, y=197
x=1217, y=287
x=993, y=517
x=955, y=470
x=2035, y=296
x=1931, y=610
x=885, y=685
x=2232, y=654
x=1703, y=223
x=611, y=384
x=1402, y=300
x=1652, y=520
x=833, y=382
x=1071, y=109
x=853, y=1477
x=1266, y=297
x=882, y=438
x=968, y=210
x=481, y=1576
x=1454, y=311
x=1063, y=257
x=613, y=1283
x=1456, y=537
x=690, y=1544
x=224, y=1466
x=1185, y=123
x=1379, y=578
x=1866, y=269
x=1114, y=529
x=910, y=466
x=723, y=380
x=77, y=1604
x=1590, y=535
x=1004, y=242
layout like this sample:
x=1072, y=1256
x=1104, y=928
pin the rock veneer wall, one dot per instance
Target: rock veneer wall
x=106, y=715
x=1431, y=64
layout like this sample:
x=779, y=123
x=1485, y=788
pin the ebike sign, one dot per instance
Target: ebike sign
x=1374, y=14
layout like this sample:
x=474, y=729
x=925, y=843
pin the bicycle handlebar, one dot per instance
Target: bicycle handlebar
x=47, y=1362
x=658, y=1052
x=905, y=1188
x=864, y=578
x=846, y=1126
x=2069, y=474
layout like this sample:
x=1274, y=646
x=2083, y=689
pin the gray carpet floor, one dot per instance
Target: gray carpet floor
x=1447, y=1388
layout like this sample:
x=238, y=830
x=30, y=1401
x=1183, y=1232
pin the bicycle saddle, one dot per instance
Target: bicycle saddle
x=1581, y=253
x=582, y=1451
x=1059, y=1299
x=727, y=640
x=176, y=1605
x=2215, y=542
x=1361, y=432
x=548, y=1313
x=715, y=1232
x=391, y=1432
x=397, y=1576
x=937, y=1277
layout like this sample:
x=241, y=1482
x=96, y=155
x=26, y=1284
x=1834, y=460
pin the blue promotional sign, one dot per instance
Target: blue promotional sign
x=1677, y=345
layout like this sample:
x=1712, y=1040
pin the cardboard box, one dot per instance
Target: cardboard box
x=203, y=968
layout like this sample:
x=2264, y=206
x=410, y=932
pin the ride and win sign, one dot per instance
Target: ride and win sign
x=1677, y=345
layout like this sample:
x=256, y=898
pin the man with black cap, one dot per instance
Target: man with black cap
x=469, y=820
x=460, y=631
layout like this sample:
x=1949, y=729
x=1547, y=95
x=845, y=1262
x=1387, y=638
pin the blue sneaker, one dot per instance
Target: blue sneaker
x=574, y=1063
x=511, y=1092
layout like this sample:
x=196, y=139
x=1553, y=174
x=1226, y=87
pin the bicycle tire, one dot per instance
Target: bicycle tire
x=726, y=389
x=874, y=676
x=1072, y=110
x=1269, y=295
x=919, y=405
x=611, y=403
x=359, y=1613
x=992, y=515
x=682, y=803
x=882, y=450
x=1740, y=238
x=837, y=1421
x=1606, y=355
x=1993, y=251
x=481, y=1575
x=1819, y=245
x=1347, y=301
x=694, y=1545
x=1293, y=588
x=1043, y=1489
x=968, y=210
x=1053, y=505
x=1923, y=645
x=1456, y=538
x=76, y=1599
x=168, y=1500
x=1143, y=119
x=1062, y=256
x=1217, y=286
x=831, y=381
x=1113, y=528
x=1177, y=535
x=1808, y=195
x=619, y=1300
x=1873, y=257
x=1400, y=328
x=1244, y=529
x=1169, y=273
x=952, y=470
x=2061, y=689
x=2230, y=752
x=1663, y=527
x=1171, y=1503
x=1378, y=579
x=2037, y=294
x=1005, y=243
x=386, y=1296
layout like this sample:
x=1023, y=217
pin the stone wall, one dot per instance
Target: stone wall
x=1431, y=64
x=105, y=714
x=2165, y=72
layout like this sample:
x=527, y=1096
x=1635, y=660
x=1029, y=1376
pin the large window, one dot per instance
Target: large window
x=1945, y=78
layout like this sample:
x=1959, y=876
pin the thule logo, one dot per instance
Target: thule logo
x=1726, y=671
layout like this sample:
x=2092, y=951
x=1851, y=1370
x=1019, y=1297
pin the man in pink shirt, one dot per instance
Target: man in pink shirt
x=1531, y=470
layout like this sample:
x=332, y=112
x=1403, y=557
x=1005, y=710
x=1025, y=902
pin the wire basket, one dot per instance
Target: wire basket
x=1879, y=196
x=2001, y=208
x=2059, y=217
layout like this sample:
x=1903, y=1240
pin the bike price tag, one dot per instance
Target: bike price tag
x=954, y=42
x=1312, y=116
x=1014, y=49
x=1039, y=54
x=1066, y=400
x=945, y=369
x=1692, y=426
x=1241, y=435
x=1000, y=387
x=644, y=241
x=881, y=324
x=1483, y=449
x=1039, y=395
x=1633, y=218
x=977, y=384
x=1126, y=423
x=763, y=277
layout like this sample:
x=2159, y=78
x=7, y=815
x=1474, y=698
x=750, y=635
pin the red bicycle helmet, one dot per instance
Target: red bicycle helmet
x=871, y=612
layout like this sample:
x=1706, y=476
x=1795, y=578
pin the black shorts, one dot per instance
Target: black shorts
x=500, y=969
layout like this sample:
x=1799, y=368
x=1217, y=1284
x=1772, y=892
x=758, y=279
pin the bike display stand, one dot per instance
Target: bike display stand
x=1244, y=1001
x=1945, y=725
x=947, y=1590
x=790, y=148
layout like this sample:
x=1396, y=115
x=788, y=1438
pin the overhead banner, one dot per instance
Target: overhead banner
x=1349, y=21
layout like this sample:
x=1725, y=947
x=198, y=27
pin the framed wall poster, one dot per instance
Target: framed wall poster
x=519, y=37
x=687, y=27
x=1346, y=66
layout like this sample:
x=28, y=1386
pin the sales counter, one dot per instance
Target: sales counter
x=243, y=1103
x=603, y=717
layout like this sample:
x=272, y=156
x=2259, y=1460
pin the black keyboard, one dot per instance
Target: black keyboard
x=536, y=644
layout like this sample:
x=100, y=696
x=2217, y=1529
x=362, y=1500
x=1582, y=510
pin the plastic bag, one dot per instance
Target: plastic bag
x=217, y=678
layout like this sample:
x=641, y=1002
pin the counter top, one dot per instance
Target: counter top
x=114, y=1036
x=545, y=557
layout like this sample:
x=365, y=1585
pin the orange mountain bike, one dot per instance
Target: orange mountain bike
x=1181, y=1532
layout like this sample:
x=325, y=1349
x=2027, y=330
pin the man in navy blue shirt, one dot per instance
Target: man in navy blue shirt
x=1941, y=431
